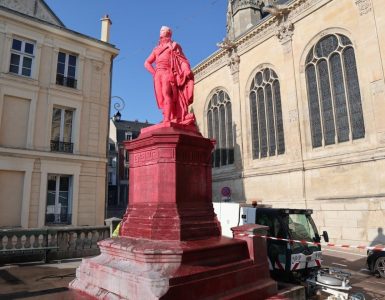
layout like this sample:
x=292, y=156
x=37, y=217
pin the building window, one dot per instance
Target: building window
x=61, y=134
x=111, y=147
x=59, y=199
x=112, y=162
x=126, y=157
x=266, y=115
x=128, y=135
x=126, y=172
x=219, y=125
x=66, y=70
x=333, y=92
x=22, y=56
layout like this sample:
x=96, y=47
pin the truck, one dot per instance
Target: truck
x=293, y=245
x=287, y=260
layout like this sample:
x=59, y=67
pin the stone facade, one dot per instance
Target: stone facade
x=36, y=98
x=343, y=182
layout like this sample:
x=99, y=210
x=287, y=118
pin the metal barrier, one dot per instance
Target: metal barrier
x=52, y=243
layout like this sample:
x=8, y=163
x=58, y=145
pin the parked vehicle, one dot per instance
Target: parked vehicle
x=289, y=258
x=296, y=262
x=376, y=262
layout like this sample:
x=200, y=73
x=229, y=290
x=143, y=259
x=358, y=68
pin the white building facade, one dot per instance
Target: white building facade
x=54, y=112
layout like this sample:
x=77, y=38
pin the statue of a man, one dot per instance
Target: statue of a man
x=173, y=79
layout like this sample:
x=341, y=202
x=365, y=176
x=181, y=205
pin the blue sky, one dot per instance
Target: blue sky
x=197, y=25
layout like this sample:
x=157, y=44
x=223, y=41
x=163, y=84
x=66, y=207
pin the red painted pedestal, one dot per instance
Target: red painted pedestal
x=170, y=185
x=170, y=245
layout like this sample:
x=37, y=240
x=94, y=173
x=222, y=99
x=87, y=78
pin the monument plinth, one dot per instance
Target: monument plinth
x=170, y=185
x=170, y=245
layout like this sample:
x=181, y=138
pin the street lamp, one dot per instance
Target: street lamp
x=117, y=116
x=119, y=105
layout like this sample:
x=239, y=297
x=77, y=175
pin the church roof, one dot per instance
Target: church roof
x=33, y=8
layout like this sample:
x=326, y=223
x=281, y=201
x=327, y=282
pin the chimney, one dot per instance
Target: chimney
x=106, y=25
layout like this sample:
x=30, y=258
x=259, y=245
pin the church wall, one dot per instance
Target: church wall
x=378, y=85
x=343, y=183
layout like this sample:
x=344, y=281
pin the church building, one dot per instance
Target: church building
x=295, y=99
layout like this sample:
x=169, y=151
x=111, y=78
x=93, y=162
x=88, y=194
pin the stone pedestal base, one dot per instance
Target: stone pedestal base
x=170, y=185
x=170, y=245
x=214, y=268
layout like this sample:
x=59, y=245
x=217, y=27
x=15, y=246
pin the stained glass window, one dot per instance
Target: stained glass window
x=278, y=118
x=342, y=118
x=254, y=123
x=315, y=119
x=217, y=157
x=266, y=115
x=326, y=102
x=270, y=119
x=230, y=140
x=334, y=96
x=220, y=128
x=262, y=122
x=354, y=95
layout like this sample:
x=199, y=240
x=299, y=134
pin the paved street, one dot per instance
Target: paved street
x=355, y=263
x=50, y=281
x=38, y=281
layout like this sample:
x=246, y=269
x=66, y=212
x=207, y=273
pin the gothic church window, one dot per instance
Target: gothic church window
x=333, y=92
x=219, y=125
x=266, y=115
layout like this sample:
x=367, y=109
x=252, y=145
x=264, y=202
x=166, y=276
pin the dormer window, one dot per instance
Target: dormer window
x=66, y=70
x=128, y=135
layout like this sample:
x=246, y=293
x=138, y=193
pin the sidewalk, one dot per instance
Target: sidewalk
x=35, y=281
x=39, y=281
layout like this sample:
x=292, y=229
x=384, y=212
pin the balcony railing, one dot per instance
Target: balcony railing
x=66, y=81
x=58, y=146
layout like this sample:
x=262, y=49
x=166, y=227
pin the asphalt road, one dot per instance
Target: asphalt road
x=354, y=262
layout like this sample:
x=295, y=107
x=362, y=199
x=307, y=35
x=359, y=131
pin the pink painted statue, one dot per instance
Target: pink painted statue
x=173, y=79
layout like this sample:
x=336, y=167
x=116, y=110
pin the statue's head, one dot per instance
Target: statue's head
x=165, y=32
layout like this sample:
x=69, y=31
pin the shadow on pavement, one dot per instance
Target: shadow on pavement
x=37, y=281
x=9, y=278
